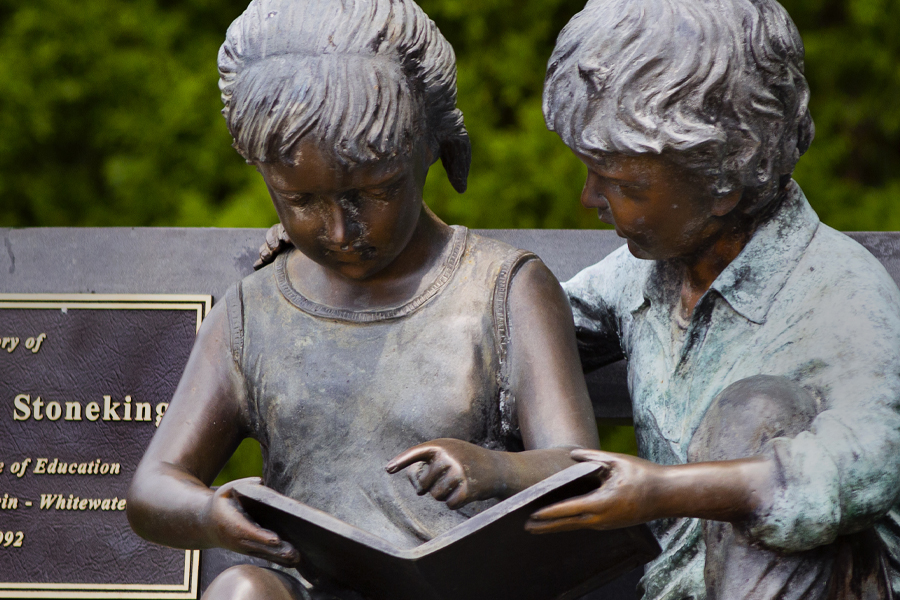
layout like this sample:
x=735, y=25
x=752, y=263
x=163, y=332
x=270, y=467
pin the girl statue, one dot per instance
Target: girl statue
x=384, y=328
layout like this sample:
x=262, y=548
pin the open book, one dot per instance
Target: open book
x=489, y=557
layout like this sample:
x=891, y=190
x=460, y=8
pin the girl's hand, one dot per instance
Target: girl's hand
x=628, y=496
x=229, y=527
x=452, y=471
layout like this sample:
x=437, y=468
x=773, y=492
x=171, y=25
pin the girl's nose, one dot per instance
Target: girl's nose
x=343, y=229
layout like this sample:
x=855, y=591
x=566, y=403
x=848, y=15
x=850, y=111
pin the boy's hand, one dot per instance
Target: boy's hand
x=229, y=527
x=626, y=497
x=452, y=471
x=276, y=241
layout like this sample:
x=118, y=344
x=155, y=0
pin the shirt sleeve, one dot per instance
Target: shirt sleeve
x=596, y=295
x=843, y=474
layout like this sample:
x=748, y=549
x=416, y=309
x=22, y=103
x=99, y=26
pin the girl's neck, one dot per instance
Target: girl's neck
x=402, y=280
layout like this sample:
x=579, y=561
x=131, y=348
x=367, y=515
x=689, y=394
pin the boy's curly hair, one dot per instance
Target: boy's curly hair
x=717, y=84
x=369, y=78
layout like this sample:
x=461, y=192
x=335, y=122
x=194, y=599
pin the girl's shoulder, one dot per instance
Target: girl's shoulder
x=493, y=255
x=261, y=283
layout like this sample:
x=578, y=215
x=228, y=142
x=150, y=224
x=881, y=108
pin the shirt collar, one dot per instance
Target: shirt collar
x=752, y=280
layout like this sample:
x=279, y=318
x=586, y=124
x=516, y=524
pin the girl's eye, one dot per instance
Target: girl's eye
x=384, y=192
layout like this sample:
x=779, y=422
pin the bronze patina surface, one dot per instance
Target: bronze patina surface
x=763, y=347
x=387, y=339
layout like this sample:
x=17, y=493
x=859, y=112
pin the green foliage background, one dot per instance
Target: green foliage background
x=109, y=115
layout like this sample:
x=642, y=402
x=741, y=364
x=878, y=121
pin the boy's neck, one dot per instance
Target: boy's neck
x=402, y=280
x=701, y=269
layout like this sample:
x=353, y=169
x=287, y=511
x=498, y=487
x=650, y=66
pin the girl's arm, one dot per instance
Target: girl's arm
x=554, y=410
x=170, y=501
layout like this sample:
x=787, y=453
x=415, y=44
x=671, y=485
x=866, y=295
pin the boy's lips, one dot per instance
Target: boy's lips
x=605, y=215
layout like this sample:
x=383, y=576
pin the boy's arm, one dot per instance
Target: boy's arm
x=638, y=491
x=554, y=407
x=170, y=501
x=837, y=477
x=599, y=296
x=554, y=410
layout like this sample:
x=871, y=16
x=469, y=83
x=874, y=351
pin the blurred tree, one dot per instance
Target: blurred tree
x=109, y=114
x=851, y=174
x=522, y=175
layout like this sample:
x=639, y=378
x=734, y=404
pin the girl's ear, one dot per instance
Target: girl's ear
x=456, y=156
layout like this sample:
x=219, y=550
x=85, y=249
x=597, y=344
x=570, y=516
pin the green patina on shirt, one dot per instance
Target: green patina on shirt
x=801, y=301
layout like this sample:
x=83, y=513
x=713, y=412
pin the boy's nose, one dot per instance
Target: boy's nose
x=592, y=196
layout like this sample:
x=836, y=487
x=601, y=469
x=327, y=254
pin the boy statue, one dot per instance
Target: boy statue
x=763, y=346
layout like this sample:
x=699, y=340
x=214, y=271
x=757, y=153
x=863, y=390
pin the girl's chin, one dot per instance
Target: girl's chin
x=357, y=270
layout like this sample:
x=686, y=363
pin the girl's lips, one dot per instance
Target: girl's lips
x=350, y=255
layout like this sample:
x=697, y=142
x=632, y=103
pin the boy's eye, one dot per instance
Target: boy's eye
x=634, y=191
x=296, y=199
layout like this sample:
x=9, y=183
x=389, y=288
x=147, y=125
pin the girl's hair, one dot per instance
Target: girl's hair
x=717, y=84
x=369, y=78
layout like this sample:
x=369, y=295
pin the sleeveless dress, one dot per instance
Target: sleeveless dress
x=334, y=394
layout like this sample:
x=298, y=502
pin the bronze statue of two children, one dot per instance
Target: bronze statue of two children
x=763, y=347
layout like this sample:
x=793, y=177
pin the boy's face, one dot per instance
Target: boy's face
x=353, y=219
x=663, y=210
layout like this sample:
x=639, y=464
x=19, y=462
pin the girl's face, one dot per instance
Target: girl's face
x=352, y=219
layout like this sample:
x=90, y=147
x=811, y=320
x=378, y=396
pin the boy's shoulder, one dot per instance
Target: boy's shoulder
x=840, y=276
x=837, y=252
x=840, y=265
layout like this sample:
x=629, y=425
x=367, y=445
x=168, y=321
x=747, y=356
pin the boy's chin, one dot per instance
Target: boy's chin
x=639, y=252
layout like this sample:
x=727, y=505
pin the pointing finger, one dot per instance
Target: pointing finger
x=272, y=235
x=283, y=236
x=420, y=453
x=248, y=530
x=284, y=554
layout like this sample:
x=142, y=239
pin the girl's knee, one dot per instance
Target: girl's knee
x=248, y=582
